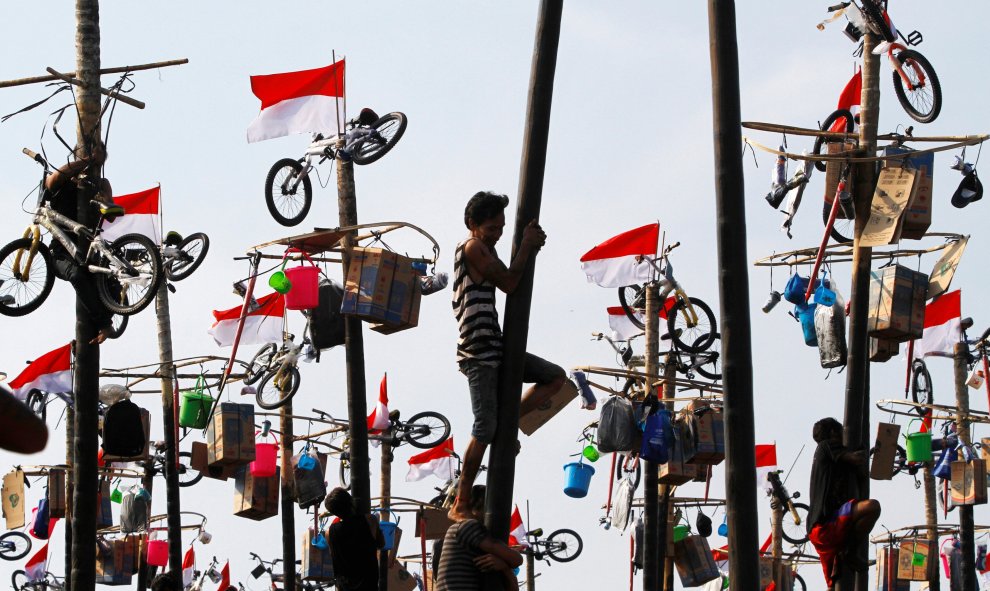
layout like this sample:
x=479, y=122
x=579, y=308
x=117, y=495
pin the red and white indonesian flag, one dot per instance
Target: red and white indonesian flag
x=36, y=566
x=624, y=259
x=188, y=567
x=849, y=100
x=378, y=419
x=141, y=216
x=297, y=102
x=263, y=325
x=766, y=462
x=517, y=531
x=942, y=326
x=52, y=372
x=224, y=577
x=433, y=462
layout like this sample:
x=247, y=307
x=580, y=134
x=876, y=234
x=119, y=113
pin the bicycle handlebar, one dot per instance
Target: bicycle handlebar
x=839, y=6
x=34, y=156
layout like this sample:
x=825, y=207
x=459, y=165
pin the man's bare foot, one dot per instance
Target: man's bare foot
x=461, y=511
x=102, y=335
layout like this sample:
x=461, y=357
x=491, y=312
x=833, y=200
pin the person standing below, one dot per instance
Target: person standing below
x=354, y=544
x=838, y=522
x=477, y=272
x=469, y=550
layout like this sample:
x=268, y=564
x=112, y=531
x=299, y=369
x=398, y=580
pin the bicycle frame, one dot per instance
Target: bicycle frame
x=324, y=149
x=668, y=284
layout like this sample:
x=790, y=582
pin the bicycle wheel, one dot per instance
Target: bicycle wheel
x=799, y=583
x=794, y=532
x=285, y=202
x=37, y=401
x=191, y=253
x=187, y=475
x=632, y=389
x=118, y=324
x=389, y=130
x=633, y=474
x=921, y=385
x=427, y=430
x=258, y=364
x=838, y=115
x=683, y=330
x=129, y=290
x=21, y=293
x=14, y=545
x=923, y=101
x=842, y=229
x=633, y=301
x=709, y=363
x=20, y=580
x=277, y=388
x=564, y=545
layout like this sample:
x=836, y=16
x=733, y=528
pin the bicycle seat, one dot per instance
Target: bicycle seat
x=108, y=210
x=173, y=238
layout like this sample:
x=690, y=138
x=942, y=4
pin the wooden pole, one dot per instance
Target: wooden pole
x=386, y=502
x=530, y=572
x=357, y=404
x=118, y=70
x=961, y=359
x=740, y=438
x=931, y=520
x=70, y=419
x=286, y=482
x=777, y=548
x=169, y=402
x=86, y=381
x=654, y=517
x=148, y=482
x=502, y=459
x=666, y=507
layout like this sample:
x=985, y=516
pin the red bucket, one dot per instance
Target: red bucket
x=265, y=458
x=158, y=552
x=305, y=292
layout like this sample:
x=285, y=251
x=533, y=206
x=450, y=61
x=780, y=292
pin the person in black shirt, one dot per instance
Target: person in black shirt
x=354, y=543
x=838, y=522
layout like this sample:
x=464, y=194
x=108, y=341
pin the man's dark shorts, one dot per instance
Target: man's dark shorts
x=483, y=384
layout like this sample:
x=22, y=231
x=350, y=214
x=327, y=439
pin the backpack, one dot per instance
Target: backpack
x=616, y=426
x=123, y=430
x=326, y=324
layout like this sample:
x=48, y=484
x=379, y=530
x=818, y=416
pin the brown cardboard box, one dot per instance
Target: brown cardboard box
x=432, y=523
x=887, y=571
x=968, y=484
x=675, y=471
x=316, y=562
x=256, y=498
x=404, y=296
x=985, y=451
x=536, y=418
x=916, y=560
x=146, y=453
x=366, y=293
x=13, y=499
x=894, y=191
x=230, y=435
x=705, y=443
x=918, y=216
x=883, y=350
x=694, y=561
x=897, y=303
x=56, y=493
x=200, y=462
x=882, y=465
x=112, y=566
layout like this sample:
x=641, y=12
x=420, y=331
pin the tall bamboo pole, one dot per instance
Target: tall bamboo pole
x=174, y=508
x=386, y=494
x=148, y=483
x=931, y=520
x=530, y=572
x=86, y=380
x=70, y=420
x=654, y=518
x=666, y=507
x=740, y=464
x=960, y=360
x=286, y=481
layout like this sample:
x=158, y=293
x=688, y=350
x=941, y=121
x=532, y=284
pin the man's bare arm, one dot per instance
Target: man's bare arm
x=483, y=260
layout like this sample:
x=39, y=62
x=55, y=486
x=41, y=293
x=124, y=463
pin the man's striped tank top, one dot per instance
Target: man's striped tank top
x=480, y=337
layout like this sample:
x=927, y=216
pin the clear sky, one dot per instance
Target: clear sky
x=630, y=143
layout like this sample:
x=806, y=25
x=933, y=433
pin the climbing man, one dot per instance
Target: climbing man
x=838, y=521
x=477, y=272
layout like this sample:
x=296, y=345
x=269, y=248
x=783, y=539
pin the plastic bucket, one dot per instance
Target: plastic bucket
x=158, y=552
x=590, y=453
x=266, y=455
x=918, y=445
x=279, y=282
x=305, y=292
x=388, y=529
x=806, y=314
x=194, y=411
x=578, y=479
x=681, y=532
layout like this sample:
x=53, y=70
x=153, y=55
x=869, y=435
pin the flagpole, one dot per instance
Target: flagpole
x=336, y=99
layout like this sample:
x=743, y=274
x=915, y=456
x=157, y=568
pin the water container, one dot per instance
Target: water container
x=265, y=459
x=305, y=292
x=578, y=479
x=388, y=529
x=806, y=314
x=681, y=532
x=918, y=445
x=194, y=411
x=157, y=552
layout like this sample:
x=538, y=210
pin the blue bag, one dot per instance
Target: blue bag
x=40, y=527
x=795, y=289
x=657, y=437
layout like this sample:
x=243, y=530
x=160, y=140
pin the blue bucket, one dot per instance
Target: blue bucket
x=388, y=529
x=578, y=479
x=806, y=314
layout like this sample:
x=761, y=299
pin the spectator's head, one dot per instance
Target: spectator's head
x=164, y=582
x=485, y=216
x=478, y=500
x=340, y=503
x=827, y=429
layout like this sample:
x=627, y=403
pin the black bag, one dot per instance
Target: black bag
x=123, y=430
x=617, y=426
x=326, y=324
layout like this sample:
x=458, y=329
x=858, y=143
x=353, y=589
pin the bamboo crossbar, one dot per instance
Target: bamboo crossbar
x=792, y=130
x=116, y=70
x=940, y=412
x=387, y=227
x=105, y=92
x=657, y=380
x=918, y=531
x=842, y=253
x=846, y=156
x=43, y=470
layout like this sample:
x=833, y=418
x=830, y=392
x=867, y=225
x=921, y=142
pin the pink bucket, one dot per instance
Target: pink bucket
x=266, y=455
x=305, y=292
x=158, y=552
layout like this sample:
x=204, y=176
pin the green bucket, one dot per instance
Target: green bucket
x=918, y=446
x=681, y=532
x=194, y=411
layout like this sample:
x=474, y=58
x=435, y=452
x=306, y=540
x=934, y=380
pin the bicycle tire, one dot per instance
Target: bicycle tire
x=701, y=335
x=389, y=130
x=921, y=105
x=621, y=472
x=842, y=229
x=118, y=324
x=19, y=297
x=258, y=365
x=284, y=200
x=799, y=583
x=631, y=389
x=345, y=474
x=826, y=125
x=560, y=542
x=922, y=391
x=795, y=533
x=275, y=396
x=19, y=580
x=192, y=251
x=37, y=402
x=137, y=292
x=421, y=432
x=632, y=298
x=185, y=467
x=709, y=363
x=14, y=545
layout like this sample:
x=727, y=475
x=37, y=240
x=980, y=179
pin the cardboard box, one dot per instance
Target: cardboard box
x=883, y=349
x=366, y=293
x=537, y=417
x=882, y=465
x=146, y=453
x=56, y=493
x=766, y=571
x=894, y=191
x=887, y=571
x=968, y=484
x=985, y=452
x=675, y=470
x=916, y=560
x=256, y=498
x=230, y=435
x=694, y=561
x=13, y=499
x=705, y=443
x=918, y=215
x=201, y=463
x=316, y=562
x=404, y=297
x=113, y=567
x=432, y=523
x=897, y=303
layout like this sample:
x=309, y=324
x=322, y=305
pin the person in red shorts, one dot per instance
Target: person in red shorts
x=838, y=521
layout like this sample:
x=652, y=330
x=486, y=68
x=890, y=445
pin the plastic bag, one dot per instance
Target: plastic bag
x=135, y=510
x=622, y=505
x=616, y=426
x=830, y=332
x=657, y=437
